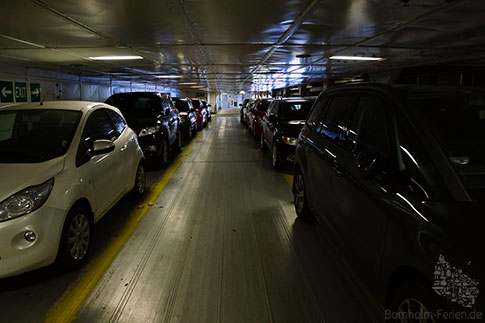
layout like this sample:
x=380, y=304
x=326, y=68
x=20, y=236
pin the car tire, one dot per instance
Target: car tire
x=140, y=182
x=189, y=132
x=177, y=145
x=262, y=145
x=415, y=296
x=163, y=158
x=76, y=238
x=300, y=197
x=275, y=161
x=194, y=132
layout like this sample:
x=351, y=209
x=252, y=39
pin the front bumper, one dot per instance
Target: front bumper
x=17, y=255
x=286, y=153
x=150, y=144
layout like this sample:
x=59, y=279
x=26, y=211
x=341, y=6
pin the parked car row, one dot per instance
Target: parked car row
x=277, y=123
x=396, y=176
x=61, y=169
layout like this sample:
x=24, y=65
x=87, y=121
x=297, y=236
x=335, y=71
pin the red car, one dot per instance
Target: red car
x=256, y=114
x=201, y=112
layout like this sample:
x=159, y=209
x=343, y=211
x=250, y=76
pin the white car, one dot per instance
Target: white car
x=63, y=165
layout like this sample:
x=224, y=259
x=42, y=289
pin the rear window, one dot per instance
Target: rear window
x=181, y=105
x=294, y=110
x=263, y=105
x=196, y=104
x=137, y=105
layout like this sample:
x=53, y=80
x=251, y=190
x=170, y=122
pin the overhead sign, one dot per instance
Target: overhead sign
x=6, y=92
x=20, y=92
x=34, y=92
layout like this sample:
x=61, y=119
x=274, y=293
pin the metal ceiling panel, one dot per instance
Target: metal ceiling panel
x=231, y=45
x=29, y=24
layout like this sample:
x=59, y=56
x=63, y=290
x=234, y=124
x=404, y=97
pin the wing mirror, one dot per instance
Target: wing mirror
x=368, y=162
x=102, y=146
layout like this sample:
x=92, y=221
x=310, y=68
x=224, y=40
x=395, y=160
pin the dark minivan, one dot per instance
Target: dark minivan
x=397, y=178
x=281, y=126
x=153, y=117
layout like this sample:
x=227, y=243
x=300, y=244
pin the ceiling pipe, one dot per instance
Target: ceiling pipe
x=448, y=5
x=287, y=35
x=193, y=34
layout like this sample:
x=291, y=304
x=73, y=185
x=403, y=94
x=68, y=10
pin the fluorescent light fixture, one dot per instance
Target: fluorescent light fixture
x=242, y=92
x=114, y=58
x=187, y=83
x=168, y=76
x=198, y=86
x=357, y=58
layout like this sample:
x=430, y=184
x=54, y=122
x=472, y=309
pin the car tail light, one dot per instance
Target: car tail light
x=182, y=116
x=290, y=141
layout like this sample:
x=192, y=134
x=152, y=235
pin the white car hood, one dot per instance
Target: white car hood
x=16, y=177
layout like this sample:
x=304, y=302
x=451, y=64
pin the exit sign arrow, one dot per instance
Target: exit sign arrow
x=6, y=92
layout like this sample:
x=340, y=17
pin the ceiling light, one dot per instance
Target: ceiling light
x=114, y=58
x=357, y=58
x=168, y=76
x=242, y=92
x=187, y=83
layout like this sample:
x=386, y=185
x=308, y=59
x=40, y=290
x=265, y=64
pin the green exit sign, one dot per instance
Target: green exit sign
x=199, y=94
x=20, y=92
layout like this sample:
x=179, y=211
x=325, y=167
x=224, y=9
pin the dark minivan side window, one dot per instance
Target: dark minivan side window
x=368, y=129
x=337, y=115
x=313, y=120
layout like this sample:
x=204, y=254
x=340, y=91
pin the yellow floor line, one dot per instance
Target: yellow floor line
x=67, y=306
x=288, y=178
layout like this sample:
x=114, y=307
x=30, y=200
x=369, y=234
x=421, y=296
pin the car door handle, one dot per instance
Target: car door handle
x=124, y=147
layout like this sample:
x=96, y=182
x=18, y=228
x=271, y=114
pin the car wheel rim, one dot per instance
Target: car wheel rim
x=140, y=179
x=79, y=235
x=409, y=307
x=299, y=192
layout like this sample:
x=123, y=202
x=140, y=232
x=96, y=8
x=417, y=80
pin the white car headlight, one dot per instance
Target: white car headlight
x=25, y=201
x=148, y=131
x=290, y=141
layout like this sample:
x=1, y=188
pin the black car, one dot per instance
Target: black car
x=152, y=116
x=397, y=178
x=188, y=116
x=281, y=126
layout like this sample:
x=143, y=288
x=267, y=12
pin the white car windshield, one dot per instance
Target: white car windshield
x=37, y=135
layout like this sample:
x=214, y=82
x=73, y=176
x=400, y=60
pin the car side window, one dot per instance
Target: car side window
x=313, y=120
x=368, y=129
x=335, y=119
x=117, y=120
x=414, y=161
x=98, y=126
x=273, y=108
